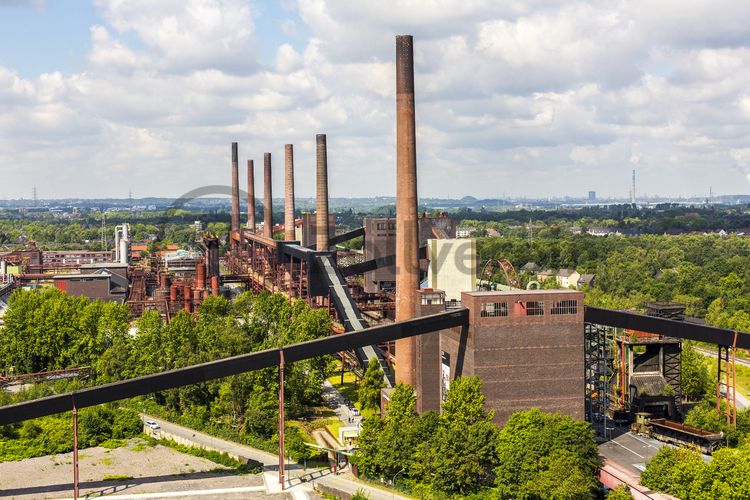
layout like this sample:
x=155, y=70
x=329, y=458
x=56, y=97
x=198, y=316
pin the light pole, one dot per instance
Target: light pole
x=393, y=481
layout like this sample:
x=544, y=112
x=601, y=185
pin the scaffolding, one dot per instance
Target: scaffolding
x=726, y=388
x=598, y=369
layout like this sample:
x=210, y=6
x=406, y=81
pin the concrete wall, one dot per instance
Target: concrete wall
x=453, y=266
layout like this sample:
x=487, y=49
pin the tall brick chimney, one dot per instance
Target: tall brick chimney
x=288, y=192
x=251, y=195
x=235, y=189
x=321, y=219
x=267, y=197
x=407, y=240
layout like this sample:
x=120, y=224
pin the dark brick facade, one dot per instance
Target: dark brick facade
x=525, y=345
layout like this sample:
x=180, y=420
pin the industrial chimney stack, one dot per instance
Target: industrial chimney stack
x=235, y=190
x=251, y=195
x=407, y=239
x=321, y=218
x=288, y=192
x=267, y=197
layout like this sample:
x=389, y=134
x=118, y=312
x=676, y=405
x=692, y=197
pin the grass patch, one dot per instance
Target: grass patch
x=333, y=427
x=106, y=461
x=116, y=477
x=113, y=443
x=349, y=388
x=144, y=444
x=221, y=458
x=742, y=374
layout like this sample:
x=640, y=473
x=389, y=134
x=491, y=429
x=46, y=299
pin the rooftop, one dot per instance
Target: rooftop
x=486, y=293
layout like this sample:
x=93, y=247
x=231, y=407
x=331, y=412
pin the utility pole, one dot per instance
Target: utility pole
x=104, y=231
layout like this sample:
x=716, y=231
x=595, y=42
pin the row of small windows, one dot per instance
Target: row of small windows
x=494, y=309
x=382, y=226
x=530, y=308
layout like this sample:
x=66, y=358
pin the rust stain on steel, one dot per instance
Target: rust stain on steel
x=267, y=197
x=407, y=247
x=289, y=192
x=250, y=195
x=235, y=189
x=321, y=218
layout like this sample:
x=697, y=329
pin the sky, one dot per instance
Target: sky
x=534, y=98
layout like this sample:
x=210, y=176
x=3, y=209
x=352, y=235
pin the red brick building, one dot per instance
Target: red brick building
x=525, y=345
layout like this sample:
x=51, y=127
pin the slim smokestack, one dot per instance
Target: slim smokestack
x=251, y=195
x=288, y=192
x=407, y=239
x=321, y=219
x=632, y=191
x=267, y=197
x=235, y=189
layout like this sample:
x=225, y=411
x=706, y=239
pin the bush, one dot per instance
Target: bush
x=113, y=443
x=622, y=492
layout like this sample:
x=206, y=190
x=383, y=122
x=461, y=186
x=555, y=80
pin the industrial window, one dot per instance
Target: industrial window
x=534, y=308
x=565, y=307
x=392, y=226
x=494, y=309
x=381, y=226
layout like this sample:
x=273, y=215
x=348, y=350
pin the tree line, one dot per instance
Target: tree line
x=461, y=453
x=48, y=330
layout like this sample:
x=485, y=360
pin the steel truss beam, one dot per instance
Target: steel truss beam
x=666, y=327
x=229, y=366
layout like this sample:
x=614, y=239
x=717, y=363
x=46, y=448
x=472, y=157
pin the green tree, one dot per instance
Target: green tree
x=461, y=457
x=622, y=492
x=696, y=381
x=527, y=441
x=372, y=382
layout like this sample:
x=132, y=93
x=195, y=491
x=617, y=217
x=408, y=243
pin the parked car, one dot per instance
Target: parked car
x=151, y=424
x=355, y=412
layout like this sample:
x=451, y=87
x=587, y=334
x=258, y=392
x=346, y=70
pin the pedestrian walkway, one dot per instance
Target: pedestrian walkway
x=299, y=482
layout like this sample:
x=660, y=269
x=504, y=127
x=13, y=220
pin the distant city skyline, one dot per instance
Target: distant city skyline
x=540, y=99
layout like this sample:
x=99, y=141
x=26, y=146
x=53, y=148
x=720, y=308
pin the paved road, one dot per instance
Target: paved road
x=742, y=401
x=337, y=402
x=708, y=352
x=629, y=451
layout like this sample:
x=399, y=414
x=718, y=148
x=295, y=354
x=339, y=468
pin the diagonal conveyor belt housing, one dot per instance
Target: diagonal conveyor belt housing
x=349, y=313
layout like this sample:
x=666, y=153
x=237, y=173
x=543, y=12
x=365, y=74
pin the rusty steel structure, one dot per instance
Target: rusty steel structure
x=321, y=203
x=407, y=233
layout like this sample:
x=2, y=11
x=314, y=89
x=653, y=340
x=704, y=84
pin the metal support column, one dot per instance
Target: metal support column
x=281, y=418
x=75, y=452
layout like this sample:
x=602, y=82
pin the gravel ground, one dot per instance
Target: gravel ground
x=152, y=469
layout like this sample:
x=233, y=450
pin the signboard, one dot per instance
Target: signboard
x=445, y=372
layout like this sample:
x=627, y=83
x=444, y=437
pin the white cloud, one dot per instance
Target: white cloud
x=541, y=97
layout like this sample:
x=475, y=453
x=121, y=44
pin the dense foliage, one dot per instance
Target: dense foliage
x=705, y=416
x=460, y=452
x=708, y=273
x=54, y=434
x=49, y=330
x=682, y=472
